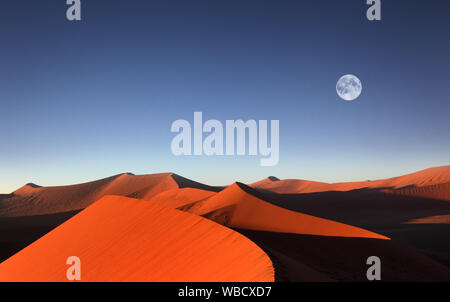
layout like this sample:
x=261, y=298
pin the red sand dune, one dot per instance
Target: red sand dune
x=33, y=200
x=235, y=207
x=125, y=239
x=428, y=177
x=302, y=246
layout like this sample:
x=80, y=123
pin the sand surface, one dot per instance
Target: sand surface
x=124, y=239
x=311, y=231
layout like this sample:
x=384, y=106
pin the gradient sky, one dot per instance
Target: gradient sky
x=86, y=100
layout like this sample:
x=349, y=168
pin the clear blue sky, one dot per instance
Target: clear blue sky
x=85, y=100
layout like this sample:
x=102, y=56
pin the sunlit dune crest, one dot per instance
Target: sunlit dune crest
x=125, y=239
x=236, y=208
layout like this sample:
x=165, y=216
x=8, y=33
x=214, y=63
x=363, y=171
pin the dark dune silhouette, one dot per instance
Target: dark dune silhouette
x=183, y=182
x=30, y=184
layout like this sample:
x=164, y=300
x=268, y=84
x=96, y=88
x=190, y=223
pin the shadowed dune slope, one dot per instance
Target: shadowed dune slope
x=413, y=181
x=437, y=191
x=125, y=239
x=235, y=207
x=405, y=215
x=323, y=258
x=32, y=200
x=18, y=232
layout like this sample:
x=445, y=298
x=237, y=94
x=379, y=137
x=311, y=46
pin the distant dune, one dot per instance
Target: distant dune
x=428, y=177
x=34, y=200
x=124, y=239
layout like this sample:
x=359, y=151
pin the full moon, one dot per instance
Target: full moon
x=348, y=87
